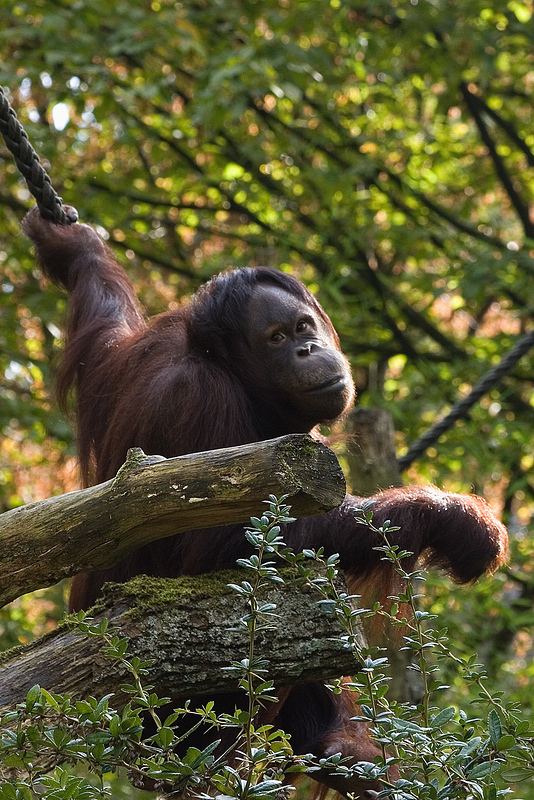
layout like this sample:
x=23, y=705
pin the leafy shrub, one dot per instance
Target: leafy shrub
x=443, y=752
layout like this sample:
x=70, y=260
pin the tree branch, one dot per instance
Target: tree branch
x=156, y=615
x=472, y=103
x=509, y=129
x=152, y=498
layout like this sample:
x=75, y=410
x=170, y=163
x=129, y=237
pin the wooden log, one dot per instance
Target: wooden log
x=152, y=497
x=189, y=626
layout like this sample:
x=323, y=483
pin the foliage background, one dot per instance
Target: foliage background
x=382, y=151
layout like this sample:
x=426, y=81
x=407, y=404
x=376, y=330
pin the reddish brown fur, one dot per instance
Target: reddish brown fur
x=177, y=386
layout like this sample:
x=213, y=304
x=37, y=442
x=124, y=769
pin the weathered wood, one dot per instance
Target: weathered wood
x=151, y=498
x=189, y=627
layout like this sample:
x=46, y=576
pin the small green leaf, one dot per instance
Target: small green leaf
x=32, y=697
x=518, y=774
x=494, y=726
x=506, y=742
x=481, y=770
x=165, y=737
x=442, y=718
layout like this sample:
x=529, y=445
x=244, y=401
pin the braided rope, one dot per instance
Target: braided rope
x=27, y=161
x=460, y=409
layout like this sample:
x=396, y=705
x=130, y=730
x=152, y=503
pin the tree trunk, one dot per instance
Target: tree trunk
x=370, y=452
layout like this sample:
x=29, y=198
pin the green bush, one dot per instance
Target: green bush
x=443, y=752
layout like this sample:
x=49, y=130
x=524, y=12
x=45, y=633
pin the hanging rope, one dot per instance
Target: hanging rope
x=27, y=160
x=461, y=408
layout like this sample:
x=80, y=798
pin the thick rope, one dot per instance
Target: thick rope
x=27, y=160
x=461, y=408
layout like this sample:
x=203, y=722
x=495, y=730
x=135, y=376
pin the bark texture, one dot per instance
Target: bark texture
x=189, y=627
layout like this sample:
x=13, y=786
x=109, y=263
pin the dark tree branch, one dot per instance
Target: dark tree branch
x=158, y=202
x=472, y=103
x=508, y=128
x=144, y=255
x=377, y=281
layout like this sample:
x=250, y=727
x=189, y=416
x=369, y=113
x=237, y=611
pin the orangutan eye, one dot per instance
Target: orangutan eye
x=277, y=337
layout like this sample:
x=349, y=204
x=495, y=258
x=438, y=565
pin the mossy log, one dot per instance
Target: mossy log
x=152, y=497
x=189, y=627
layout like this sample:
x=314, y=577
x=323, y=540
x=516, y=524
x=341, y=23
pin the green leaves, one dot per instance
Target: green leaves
x=444, y=748
x=333, y=142
x=442, y=718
